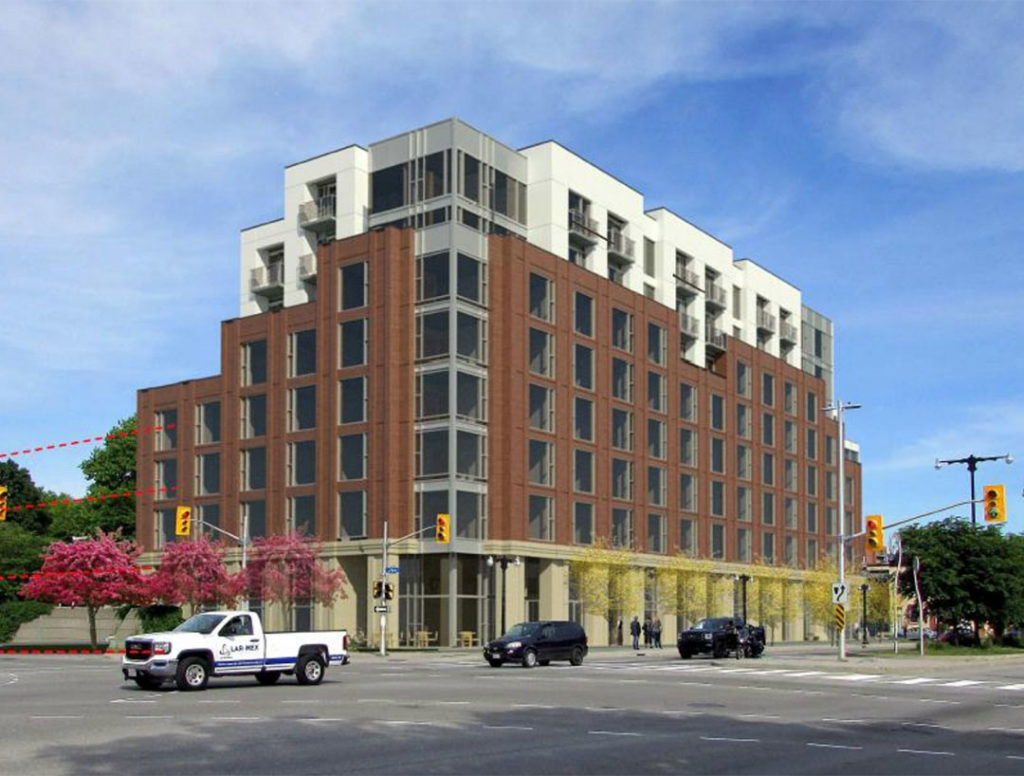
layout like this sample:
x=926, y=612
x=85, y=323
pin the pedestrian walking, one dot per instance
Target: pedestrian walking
x=656, y=632
x=618, y=629
x=634, y=631
x=647, y=634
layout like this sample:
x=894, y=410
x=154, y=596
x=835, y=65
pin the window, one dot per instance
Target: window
x=687, y=493
x=790, y=512
x=352, y=514
x=166, y=476
x=656, y=486
x=167, y=436
x=389, y=187
x=432, y=335
x=470, y=515
x=743, y=461
x=302, y=353
x=687, y=402
x=622, y=528
x=717, y=498
x=768, y=508
x=302, y=408
x=254, y=518
x=830, y=485
x=767, y=389
x=743, y=545
x=622, y=380
x=742, y=378
x=352, y=397
x=812, y=553
x=542, y=353
x=767, y=468
x=434, y=277
x=830, y=520
x=208, y=423
x=302, y=463
x=584, y=315
x=812, y=480
x=743, y=503
x=812, y=517
x=583, y=471
x=743, y=420
x=687, y=447
x=656, y=398
x=542, y=408
x=656, y=344
x=717, y=541
x=432, y=395
x=583, y=419
x=472, y=280
x=812, y=408
x=811, y=450
x=207, y=474
x=583, y=367
x=687, y=536
x=622, y=429
x=542, y=518
x=656, y=533
x=768, y=547
x=302, y=514
x=718, y=455
x=649, y=256
x=789, y=391
x=717, y=412
x=583, y=523
x=209, y=517
x=790, y=481
x=254, y=416
x=352, y=457
x=791, y=558
x=542, y=297
x=737, y=302
x=542, y=463
x=768, y=429
x=790, y=433
x=830, y=450
x=352, y=341
x=622, y=479
x=470, y=177
x=254, y=362
x=471, y=455
x=432, y=453
x=657, y=443
x=622, y=330
x=254, y=468
x=471, y=396
x=163, y=528
x=352, y=291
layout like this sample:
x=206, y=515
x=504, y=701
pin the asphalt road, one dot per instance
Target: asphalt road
x=618, y=713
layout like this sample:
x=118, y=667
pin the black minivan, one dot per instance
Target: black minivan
x=532, y=643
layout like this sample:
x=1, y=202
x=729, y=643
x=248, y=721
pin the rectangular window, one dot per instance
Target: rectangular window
x=583, y=471
x=254, y=362
x=471, y=515
x=830, y=520
x=583, y=367
x=167, y=436
x=352, y=456
x=830, y=485
x=352, y=286
x=830, y=450
x=791, y=507
x=542, y=463
x=352, y=514
x=584, y=315
x=471, y=338
x=254, y=468
x=302, y=515
x=583, y=419
x=718, y=498
x=471, y=396
x=433, y=277
x=743, y=545
x=812, y=408
x=352, y=342
x=432, y=340
x=718, y=455
x=767, y=469
x=622, y=380
x=717, y=541
x=768, y=547
x=743, y=420
x=656, y=533
x=254, y=518
x=812, y=553
x=209, y=517
x=163, y=528
x=471, y=455
x=208, y=423
x=472, y=280
x=207, y=474
x=389, y=188
x=812, y=481
x=742, y=379
x=767, y=390
x=302, y=408
x=470, y=177
x=166, y=477
x=657, y=441
x=768, y=429
x=687, y=447
x=743, y=503
x=352, y=398
x=542, y=353
x=622, y=429
x=302, y=353
x=542, y=407
x=254, y=416
x=542, y=518
x=743, y=462
x=583, y=523
x=542, y=297
x=811, y=451
x=789, y=398
x=657, y=400
x=687, y=493
x=432, y=395
x=622, y=330
x=687, y=402
x=791, y=558
x=622, y=479
x=649, y=257
x=768, y=508
x=812, y=517
x=790, y=434
x=656, y=344
x=622, y=528
x=656, y=486
x=790, y=481
x=737, y=302
x=432, y=453
x=302, y=463
x=687, y=537
x=717, y=412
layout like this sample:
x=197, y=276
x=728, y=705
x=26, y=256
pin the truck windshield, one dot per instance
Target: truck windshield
x=713, y=623
x=201, y=623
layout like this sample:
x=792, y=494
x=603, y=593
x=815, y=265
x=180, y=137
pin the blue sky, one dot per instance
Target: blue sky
x=872, y=154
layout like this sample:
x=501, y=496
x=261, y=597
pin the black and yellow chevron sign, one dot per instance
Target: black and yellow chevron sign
x=840, y=616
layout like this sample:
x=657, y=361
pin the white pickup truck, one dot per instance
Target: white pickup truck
x=228, y=643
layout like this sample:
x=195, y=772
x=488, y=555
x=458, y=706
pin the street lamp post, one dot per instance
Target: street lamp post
x=743, y=579
x=503, y=561
x=864, y=616
x=972, y=462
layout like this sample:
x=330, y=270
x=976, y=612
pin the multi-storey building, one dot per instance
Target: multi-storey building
x=442, y=324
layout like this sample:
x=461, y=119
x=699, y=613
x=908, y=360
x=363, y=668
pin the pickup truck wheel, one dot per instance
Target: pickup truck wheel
x=148, y=682
x=529, y=658
x=268, y=677
x=193, y=674
x=577, y=657
x=309, y=669
x=684, y=654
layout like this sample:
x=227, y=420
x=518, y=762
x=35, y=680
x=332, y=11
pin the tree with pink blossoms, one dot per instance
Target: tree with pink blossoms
x=91, y=573
x=286, y=569
x=194, y=573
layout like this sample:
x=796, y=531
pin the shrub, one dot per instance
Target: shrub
x=14, y=613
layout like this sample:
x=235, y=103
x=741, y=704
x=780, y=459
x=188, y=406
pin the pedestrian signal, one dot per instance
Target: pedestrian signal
x=995, y=503
x=183, y=521
x=443, y=535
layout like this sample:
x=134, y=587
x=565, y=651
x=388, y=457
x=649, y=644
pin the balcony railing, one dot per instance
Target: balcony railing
x=583, y=226
x=689, y=325
x=620, y=245
x=318, y=214
x=788, y=332
x=689, y=277
x=307, y=267
x=714, y=295
x=716, y=338
x=267, y=279
x=765, y=320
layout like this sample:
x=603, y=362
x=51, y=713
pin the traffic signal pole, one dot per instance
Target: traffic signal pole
x=384, y=546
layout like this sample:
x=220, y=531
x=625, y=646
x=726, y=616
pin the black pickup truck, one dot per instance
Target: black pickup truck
x=721, y=637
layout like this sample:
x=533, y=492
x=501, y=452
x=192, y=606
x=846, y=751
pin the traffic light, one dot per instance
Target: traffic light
x=389, y=591
x=995, y=503
x=874, y=537
x=443, y=535
x=183, y=521
x=3, y=502
x=378, y=589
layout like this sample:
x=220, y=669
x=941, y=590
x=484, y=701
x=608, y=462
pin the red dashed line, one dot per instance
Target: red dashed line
x=73, y=572
x=126, y=494
x=88, y=440
x=10, y=651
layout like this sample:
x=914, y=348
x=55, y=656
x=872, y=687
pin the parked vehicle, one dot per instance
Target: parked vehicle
x=229, y=643
x=720, y=637
x=915, y=633
x=538, y=643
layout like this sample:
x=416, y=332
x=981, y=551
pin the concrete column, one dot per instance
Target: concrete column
x=554, y=590
x=515, y=602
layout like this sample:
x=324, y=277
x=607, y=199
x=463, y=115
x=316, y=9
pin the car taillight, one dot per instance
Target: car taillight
x=344, y=642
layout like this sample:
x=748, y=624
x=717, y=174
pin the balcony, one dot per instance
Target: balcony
x=689, y=325
x=583, y=228
x=319, y=215
x=621, y=246
x=688, y=279
x=788, y=333
x=307, y=268
x=268, y=281
x=715, y=295
x=765, y=321
x=715, y=338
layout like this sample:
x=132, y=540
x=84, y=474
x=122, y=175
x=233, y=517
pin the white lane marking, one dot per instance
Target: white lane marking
x=507, y=727
x=1006, y=730
x=736, y=740
x=735, y=670
x=1014, y=757
x=760, y=716
x=832, y=746
x=324, y=719
x=854, y=677
x=774, y=671
x=532, y=706
x=235, y=719
x=915, y=680
x=220, y=701
x=601, y=708
x=452, y=703
x=611, y=733
x=58, y=716
x=375, y=700
x=681, y=711
x=873, y=697
x=297, y=701
x=1008, y=706
x=1012, y=687
x=12, y=680
x=925, y=725
x=130, y=700
x=404, y=722
x=938, y=700
x=148, y=716
x=843, y=721
x=694, y=684
x=926, y=751
x=962, y=683
x=806, y=673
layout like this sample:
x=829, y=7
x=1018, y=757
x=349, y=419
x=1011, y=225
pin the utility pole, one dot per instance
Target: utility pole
x=972, y=462
x=839, y=408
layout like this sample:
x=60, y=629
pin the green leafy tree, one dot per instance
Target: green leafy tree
x=24, y=494
x=21, y=552
x=110, y=470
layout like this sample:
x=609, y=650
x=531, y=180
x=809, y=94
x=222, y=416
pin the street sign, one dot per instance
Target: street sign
x=840, y=616
x=840, y=593
x=381, y=609
x=391, y=570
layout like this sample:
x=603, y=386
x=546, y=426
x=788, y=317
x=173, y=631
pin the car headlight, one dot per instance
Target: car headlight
x=513, y=645
x=161, y=648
